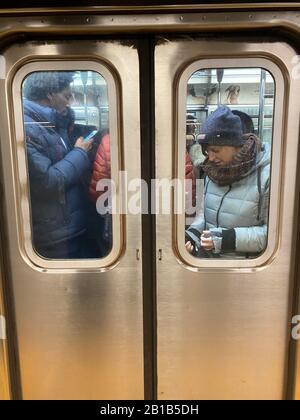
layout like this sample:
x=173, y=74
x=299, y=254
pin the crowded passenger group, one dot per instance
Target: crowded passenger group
x=65, y=167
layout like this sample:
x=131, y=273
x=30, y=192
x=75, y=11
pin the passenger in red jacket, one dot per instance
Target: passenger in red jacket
x=191, y=127
x=189, y=174
x=101, y=169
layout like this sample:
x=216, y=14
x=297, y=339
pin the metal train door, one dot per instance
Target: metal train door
x=78, y=322
x=75, y=328
x=223, y=326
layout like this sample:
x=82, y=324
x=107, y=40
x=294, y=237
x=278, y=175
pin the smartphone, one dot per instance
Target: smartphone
x=89, y=136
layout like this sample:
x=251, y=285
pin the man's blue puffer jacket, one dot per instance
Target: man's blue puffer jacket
x=55, y=170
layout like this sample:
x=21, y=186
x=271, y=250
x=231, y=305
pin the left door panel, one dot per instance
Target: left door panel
x=78, y=319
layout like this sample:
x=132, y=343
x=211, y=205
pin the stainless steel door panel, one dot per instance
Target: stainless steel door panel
x=79, y=330
x=223, y=332
x=4, y=371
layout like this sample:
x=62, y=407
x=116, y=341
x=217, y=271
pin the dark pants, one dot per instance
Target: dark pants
x=79, y=247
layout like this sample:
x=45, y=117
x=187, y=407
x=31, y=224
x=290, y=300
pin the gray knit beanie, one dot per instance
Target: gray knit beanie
x=222, y=128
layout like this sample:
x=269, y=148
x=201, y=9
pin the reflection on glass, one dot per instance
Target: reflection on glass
x=228, y=159
x=66, y=129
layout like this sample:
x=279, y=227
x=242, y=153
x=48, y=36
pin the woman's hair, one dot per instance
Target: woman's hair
x=39, y=84
x=247, y=123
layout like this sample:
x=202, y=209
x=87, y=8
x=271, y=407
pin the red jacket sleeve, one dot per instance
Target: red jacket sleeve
x=189, y=174
x=101, y=168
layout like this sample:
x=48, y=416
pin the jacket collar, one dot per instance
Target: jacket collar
x=45, y=114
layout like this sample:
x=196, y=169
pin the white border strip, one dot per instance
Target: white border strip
x=2, y=328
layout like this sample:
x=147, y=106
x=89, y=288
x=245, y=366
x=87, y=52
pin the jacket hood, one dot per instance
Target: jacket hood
x=39, y=112
x=263, y=159
x=46, y=114
x=264, y=156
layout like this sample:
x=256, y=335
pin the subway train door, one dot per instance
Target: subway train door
x=222, y=323
x=76, y=306
x=223, y=319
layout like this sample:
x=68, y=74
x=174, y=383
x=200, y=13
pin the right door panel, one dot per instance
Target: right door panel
x=223, y=323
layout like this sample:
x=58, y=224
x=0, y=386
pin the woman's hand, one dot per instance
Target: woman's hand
x=84, y=144
x=189, y=247
x=206, y=241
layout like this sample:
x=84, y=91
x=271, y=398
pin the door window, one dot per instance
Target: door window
x=66, y=129
x=228, y=143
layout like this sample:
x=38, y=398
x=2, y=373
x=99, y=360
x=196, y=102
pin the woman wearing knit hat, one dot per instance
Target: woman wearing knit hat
x=236, y=198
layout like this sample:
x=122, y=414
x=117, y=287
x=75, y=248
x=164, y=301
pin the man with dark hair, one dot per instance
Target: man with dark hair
x=246, y=120
x=58, y=201
x=41, y=85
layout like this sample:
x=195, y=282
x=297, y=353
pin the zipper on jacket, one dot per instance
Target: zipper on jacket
x=259, y=193
x=223, y=198
x=205, y=191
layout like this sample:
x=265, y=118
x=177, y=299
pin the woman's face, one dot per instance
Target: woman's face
x=221, y=155
x=61, y=100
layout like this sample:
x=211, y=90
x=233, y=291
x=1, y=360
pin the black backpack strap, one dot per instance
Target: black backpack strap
x=206, y=183
x=259, y=192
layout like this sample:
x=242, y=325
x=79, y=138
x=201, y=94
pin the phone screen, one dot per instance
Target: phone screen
x=89, y=136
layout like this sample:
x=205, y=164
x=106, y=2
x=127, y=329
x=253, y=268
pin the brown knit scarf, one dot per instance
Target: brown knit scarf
x=240, y=167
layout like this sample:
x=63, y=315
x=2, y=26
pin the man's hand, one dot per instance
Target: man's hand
x=85, y=145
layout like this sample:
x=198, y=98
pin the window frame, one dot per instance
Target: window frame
x=274, y=221
x=39, y=64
